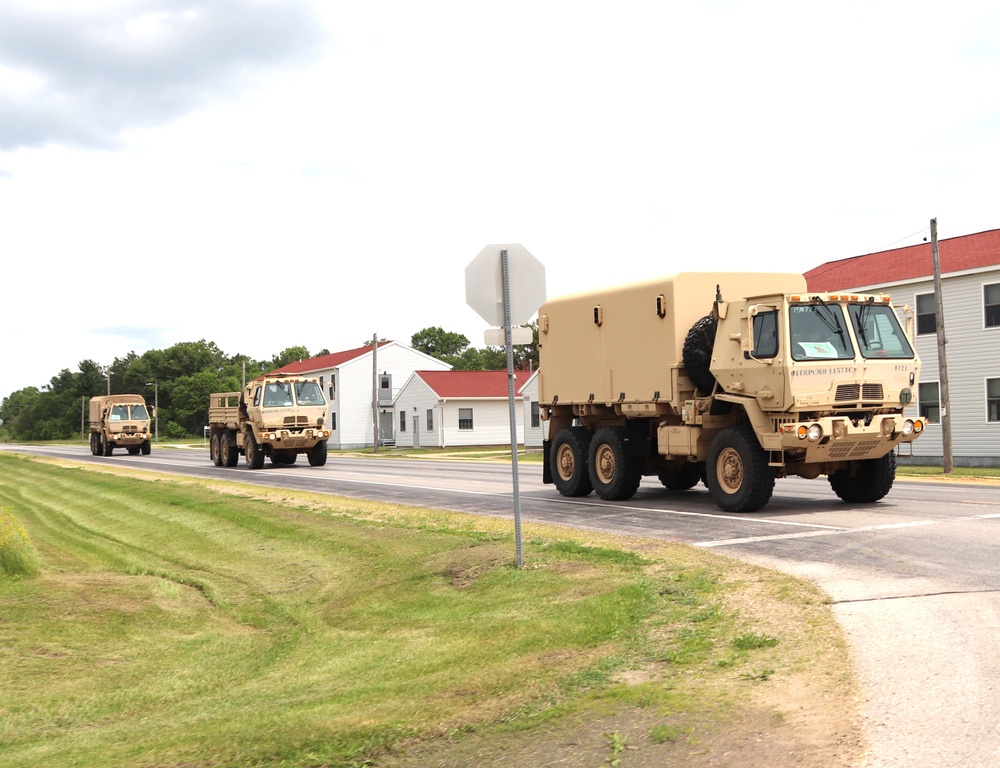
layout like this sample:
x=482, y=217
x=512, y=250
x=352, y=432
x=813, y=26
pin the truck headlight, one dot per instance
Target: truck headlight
x=908, y=428
x=813, y=432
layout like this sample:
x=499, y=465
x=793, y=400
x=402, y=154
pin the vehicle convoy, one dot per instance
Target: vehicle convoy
x=278, y=415
x=774, y=381
x=119, y=421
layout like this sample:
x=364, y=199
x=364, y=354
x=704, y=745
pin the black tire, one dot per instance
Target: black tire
x=145, y=448
x=283, y=458
x=228, y=450
x=739, y=478
x=866, y=481
x=568, y=459
x=93, y=443
x=680, y=478
x=254, y=455
x=133, y=450
x=317, y=455
x=107, y=447
x=697, y=353
x=215, y=450
x=614, y=475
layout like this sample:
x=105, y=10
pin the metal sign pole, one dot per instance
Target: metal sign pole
x=513, y=415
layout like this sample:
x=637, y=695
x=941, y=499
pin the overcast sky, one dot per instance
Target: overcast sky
x=273, y=174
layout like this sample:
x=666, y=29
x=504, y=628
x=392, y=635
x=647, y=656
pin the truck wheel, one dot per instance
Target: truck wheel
x=255, y=456
x=317, y=455
x=145, y=448
x=739, y=478
x=228, y=450
x=697, y=353
x=215, y=450
x=568, y=456
x=283, y=458
x=93, y=443
x=866, y=481
x=614, y=476
x=106, y=446
x=133, y=450
x=681, y=478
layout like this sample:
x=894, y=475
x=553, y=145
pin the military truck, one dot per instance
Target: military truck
x=119, y=421
x=774, y=381
x=277, y=415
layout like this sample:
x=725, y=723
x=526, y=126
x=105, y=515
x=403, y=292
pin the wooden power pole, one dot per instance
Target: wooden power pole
x=942, y=356
x=375, y=392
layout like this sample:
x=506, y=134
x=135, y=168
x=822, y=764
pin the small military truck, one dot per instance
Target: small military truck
x=277, y=415
x=120, y=421
x=774, y=381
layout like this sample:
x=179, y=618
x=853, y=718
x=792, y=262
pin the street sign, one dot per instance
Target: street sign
x=484, y=284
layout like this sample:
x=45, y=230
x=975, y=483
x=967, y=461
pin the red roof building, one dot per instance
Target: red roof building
x=883, y=269
x=970, y=301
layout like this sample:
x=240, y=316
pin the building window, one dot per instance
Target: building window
x=465, y=418
x=430, y=419
x=930, y=402
x=926, y=314
x=333, y=422
x=991, y=299
x=536, y=418
x=993, y=399
x=402, y=421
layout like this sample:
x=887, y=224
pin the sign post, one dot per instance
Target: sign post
x=488, y=280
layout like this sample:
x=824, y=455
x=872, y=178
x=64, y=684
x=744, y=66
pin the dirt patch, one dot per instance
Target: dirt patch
x=790, y=723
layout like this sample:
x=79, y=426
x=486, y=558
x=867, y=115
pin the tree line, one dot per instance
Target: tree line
x=181, y=378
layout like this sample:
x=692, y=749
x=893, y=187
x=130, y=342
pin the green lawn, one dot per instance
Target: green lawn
x=184, y=623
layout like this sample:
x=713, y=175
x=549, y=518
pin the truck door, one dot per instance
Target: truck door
x=763, y=369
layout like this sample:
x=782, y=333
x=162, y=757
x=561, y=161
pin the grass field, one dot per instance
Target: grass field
x=187, y=623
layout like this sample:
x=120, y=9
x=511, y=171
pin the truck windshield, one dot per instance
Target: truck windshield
x=878, y=331
x=308, y=393
x=121, y=413
x=277, y=394
x=818, y=332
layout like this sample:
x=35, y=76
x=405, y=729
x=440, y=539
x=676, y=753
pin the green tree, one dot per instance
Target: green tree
x=439, y=343
x=289, y=355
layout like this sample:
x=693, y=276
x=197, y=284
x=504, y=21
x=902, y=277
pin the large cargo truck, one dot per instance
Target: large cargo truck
x=119, y=421
x=277, y=415
x=773, y=381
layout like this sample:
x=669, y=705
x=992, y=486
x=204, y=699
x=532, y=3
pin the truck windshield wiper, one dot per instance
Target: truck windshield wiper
x=830, y=319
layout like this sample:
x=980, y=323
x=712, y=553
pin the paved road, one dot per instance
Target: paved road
x=913, y=579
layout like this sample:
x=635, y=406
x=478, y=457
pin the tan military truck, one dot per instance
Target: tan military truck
x=774, y=381
x=119, y=421
x=277, y=415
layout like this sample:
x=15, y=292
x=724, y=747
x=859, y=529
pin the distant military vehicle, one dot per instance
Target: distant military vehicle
x=119, y=421
x=278, y=415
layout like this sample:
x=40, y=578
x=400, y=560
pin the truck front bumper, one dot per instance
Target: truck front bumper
x=836, y=438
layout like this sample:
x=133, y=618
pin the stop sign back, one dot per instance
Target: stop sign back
x=484, y=284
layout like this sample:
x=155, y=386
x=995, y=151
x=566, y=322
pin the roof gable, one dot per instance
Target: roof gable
x=913, y=262
x=471, y=384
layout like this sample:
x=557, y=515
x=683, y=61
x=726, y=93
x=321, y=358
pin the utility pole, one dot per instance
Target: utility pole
x=942, y=356
x=375, y=392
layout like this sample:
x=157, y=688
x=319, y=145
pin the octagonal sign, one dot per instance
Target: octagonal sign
x=484, y=284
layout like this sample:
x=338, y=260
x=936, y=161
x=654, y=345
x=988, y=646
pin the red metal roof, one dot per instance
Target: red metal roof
x=469, y=384
x=324, y=362
x=913, y=262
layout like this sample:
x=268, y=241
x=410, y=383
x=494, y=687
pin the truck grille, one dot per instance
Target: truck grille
x=291, y=421
x=855, y=392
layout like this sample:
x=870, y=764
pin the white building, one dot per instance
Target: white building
x=535, y=429
x=970, y=288
x=444, y=409
x=349, y=379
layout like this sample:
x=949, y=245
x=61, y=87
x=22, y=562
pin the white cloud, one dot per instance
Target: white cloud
x=185, y=169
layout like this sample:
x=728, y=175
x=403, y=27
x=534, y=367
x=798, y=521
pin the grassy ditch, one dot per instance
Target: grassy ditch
x=180, y=622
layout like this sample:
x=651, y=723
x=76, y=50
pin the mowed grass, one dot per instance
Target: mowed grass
x=182, y=623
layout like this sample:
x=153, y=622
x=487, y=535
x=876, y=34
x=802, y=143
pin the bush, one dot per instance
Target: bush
x=18, y=557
